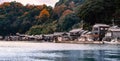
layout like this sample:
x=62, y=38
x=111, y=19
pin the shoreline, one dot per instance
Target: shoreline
x=66, y=42
x=3, y=42
x=54, y=46
x=81, y=42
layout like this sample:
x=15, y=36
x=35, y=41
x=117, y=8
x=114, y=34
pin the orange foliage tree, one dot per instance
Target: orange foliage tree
x=44, y=14
x=5, y=4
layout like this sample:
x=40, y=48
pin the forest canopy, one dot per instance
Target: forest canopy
x=66, y=15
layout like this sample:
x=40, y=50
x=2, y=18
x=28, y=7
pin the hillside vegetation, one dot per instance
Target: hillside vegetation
x=66, y=15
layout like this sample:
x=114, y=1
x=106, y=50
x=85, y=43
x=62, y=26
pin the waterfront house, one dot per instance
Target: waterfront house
x=75, y=33
x=112, y=33
x=60, y=33
x=11, y=38
x=64, y=38
x=48, y=37
x=86, y=36
x=61, y=36
x=39, y=37
x=99, y=31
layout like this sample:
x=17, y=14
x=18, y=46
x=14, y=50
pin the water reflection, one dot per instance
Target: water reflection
x=80, y=53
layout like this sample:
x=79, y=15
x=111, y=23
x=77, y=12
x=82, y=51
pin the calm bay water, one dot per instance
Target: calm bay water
x=60, y=52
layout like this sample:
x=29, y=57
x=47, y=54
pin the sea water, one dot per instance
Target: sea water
x=59, y=52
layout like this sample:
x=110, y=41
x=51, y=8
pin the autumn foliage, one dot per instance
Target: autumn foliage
x=5, y=4
x=59, y=9
x=66, y=12
x=42, y=19
x=44, y=13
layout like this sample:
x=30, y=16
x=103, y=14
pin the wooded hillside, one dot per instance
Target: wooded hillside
x=66, y=15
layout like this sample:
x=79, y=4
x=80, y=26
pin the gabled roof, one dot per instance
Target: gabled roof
x=101, y=25
x=114, y=28
x=49, y=35
x=59, y=33
x=76, y=30
x=118, y=30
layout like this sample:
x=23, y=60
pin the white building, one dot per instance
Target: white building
x=99, y=31
x=113, y=32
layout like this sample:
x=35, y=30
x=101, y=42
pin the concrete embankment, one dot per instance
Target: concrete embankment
x=81, y=42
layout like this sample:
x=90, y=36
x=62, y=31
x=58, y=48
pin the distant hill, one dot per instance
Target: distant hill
x=68, y=2
x=63, y=5
x=66, y=15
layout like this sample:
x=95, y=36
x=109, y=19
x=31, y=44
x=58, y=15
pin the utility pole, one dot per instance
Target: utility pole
x=113, y=22
x=82, y=24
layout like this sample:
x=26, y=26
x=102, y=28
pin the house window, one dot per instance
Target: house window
x=101, y=29
x=106, y=28
x=95, y=29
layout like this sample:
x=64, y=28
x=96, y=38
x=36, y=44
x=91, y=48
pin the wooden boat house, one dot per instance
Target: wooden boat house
x=76, y=33
x=99, y=31
x=112, y=33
